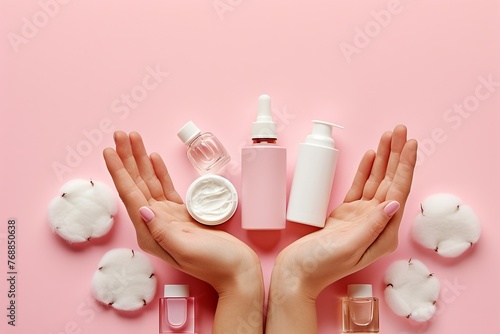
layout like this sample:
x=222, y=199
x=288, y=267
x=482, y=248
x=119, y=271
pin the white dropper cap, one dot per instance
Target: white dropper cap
x=264, y=127
x=359, y=290
x=176, y=290
x=188, y=132
x=322, y=134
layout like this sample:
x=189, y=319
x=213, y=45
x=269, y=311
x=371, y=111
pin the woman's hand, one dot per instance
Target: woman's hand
x=165, y=229
x=358, y=232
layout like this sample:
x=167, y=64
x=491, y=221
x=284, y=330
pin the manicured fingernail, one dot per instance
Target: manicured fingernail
x=391, y=208
x=146, y=214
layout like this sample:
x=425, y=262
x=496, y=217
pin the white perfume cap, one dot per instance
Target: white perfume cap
x=264, y=127
x=359, y=290
x=188, y=132
x=322, y=134
x=176, y=290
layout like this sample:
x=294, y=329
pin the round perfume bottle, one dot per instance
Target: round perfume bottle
x=205, y=152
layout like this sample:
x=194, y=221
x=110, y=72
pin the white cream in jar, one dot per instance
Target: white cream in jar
x=211, y=199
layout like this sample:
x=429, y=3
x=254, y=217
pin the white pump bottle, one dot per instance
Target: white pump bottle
x=313, y=177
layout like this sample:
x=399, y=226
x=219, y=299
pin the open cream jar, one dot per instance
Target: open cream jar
x=211, y=199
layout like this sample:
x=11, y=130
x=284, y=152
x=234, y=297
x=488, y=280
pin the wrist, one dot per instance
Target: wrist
x=288, y=284
x=290, y=309
x=241, y=304
x=246, y=282
x=295, y=277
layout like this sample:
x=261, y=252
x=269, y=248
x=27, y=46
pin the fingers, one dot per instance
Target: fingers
x=403, y=176
x=398, y=191
x=378, y=170
x=130, y=194
x=157, y=240
x=398, y=142
x=378, y=219
x=126, y=154
x=133, y=198
x=385, y=243
x=375, y=227
x=362, y=174
x=145, y=167
x=149, y=173
x=164, y=178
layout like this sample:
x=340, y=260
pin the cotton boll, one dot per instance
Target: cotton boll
x=439, y=205
x=124, y=280
x=83, y=210
x=412, y=291
x=446, y=225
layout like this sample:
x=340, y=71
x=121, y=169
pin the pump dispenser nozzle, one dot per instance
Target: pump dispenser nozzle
x=264, y=127
x=322, y=134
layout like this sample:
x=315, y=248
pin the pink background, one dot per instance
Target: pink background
x=66, y=65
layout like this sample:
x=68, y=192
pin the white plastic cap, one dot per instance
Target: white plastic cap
x=188, y=132
x=322, y=134
x=359, y=290
x=176, y=290
x=264, y=127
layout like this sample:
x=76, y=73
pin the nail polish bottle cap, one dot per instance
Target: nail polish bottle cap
x=188, y=132
x=359, y=290
x=264, y=127
x=322, y=134
x=176, y=290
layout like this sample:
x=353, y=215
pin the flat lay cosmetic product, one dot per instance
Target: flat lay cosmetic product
x=313, y=177
x=211, y=199
x=205, y=152
x=177, y=310
x=360, y=310
x=263, y=175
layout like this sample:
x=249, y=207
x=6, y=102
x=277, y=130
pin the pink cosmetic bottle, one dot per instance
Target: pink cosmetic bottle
x=177, y=310
x=360, y=310
x=263, y=175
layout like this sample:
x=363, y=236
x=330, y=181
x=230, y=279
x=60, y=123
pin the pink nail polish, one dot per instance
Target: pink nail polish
x=146, y=214
x=391, y=208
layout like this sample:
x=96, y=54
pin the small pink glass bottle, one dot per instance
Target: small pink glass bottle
x=360, y=313
x=177, y=310
x=205, y=152
x=263, y=175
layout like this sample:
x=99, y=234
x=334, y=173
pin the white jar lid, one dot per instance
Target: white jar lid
x=359, y=290
x=211, y=199
x=176, y=290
